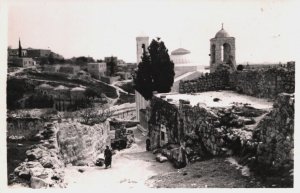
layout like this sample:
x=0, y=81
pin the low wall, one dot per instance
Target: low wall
x=262, y=83
x=81, y=144
x=207, y=82
x=265, y=83
x=24, y=126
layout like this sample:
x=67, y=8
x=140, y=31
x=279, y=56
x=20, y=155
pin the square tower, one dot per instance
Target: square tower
x=222, y=51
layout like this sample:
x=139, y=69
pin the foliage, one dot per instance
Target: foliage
x=128, y=87
x=240, y=67
x=39, y=101
x=16, y=88
x=111, y=66
x=91, y=116
x=125, y=98
x=155, y=72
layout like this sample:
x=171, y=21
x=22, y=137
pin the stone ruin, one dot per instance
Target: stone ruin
x=261, y=138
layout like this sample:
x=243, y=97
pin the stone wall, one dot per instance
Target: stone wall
x=274, y=135
x=265, y=83
x=207, y=82
x=23, y=126
x=43, y=166
x=262, y=83
x=81, y=144
x=262, y=136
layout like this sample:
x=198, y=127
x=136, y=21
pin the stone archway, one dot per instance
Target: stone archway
x=226, y=50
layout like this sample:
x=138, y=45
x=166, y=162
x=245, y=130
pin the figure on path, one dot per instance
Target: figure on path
x=107, y=157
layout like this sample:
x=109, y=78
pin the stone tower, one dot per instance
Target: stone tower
x=140, y=41
x=141, y=103
x=222, y=51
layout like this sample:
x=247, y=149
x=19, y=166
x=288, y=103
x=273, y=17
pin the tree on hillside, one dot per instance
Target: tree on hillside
x=111, y=66
x=155, y=71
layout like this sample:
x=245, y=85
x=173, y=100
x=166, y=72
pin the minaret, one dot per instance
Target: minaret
x=20, y=49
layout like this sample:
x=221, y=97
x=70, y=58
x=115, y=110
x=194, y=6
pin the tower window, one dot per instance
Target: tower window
x=213, y=53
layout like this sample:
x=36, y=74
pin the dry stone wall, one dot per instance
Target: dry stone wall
x=274, y=135
x=207, y=82
x=43, y=167
x=266, y=83
x=262, y=83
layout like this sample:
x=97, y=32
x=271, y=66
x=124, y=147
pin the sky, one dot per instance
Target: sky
x=265, y=31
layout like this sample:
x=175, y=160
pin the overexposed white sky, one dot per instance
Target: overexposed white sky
x=265, y=31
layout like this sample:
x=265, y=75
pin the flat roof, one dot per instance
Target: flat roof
x=227, y=99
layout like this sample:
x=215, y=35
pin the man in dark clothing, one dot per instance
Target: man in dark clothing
x=148, y=144
x=107, y=156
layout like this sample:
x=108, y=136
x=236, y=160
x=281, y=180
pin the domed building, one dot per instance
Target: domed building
x=184, y=67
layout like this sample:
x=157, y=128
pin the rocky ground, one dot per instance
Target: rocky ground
x=137, y=168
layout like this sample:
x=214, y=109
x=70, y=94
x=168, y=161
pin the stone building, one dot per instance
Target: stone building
x=97, y=69
x=222, y=50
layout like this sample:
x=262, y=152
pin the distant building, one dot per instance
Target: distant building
x=51, y=68
x=22, y=62
x=38, y=53
x=69, y=69
x=97, y=69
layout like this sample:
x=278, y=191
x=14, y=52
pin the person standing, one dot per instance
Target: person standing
x=107, y=157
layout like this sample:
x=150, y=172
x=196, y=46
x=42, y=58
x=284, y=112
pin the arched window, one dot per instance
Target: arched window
x=213, y=53
x=226, y=49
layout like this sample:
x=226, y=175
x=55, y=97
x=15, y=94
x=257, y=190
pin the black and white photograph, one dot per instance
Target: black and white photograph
x=106, y=95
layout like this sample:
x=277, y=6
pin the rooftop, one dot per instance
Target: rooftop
x=226, y=99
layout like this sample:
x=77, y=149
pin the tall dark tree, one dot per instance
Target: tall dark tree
x=156, y=71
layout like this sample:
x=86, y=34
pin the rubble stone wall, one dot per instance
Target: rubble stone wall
x=43, y=167
x=266, y=83
x=265, y=136
x=262, y=83
x=275, y=134
x=25, y=127
x=80, y=144
x=207, y=82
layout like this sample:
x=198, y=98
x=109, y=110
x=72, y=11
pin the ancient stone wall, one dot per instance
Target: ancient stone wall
x=80, y=144
x=24, y=126
x=263, y=136
x=274, y=135
x=207, y=82
x=162, y=114
x=43, y=166
x=262, y=83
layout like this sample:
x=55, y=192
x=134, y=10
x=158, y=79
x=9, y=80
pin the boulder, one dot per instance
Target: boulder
x=36, y=182
x=50, y=162
x=34, y=154
x=160, y=158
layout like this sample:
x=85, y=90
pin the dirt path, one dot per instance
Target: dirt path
x=130, y=168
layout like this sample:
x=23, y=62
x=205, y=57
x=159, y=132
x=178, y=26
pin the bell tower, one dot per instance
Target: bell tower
x=222, y=51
